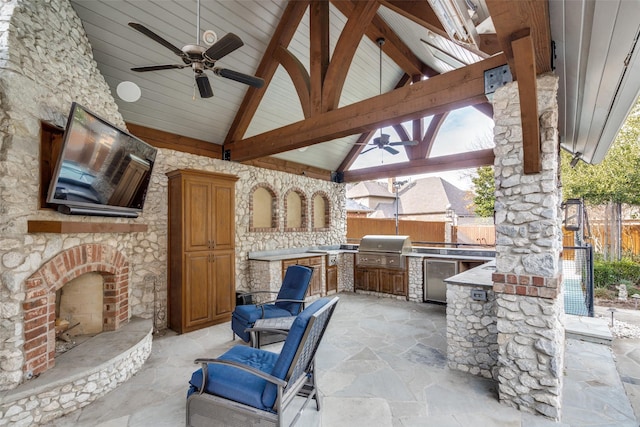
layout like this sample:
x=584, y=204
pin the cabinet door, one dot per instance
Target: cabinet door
x=386, y=281
x=399, y=283
x=332, y=279
x=222, y=272
x=198, y=292
x=371, y=280
x=197, y=215
x=358, y=279
x=223, y=220
x=315, y=287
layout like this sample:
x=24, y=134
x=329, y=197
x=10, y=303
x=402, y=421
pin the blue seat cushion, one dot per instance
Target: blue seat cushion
x=235, y=384
x=251, y=313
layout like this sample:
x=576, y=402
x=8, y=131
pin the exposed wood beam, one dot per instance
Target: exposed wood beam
x=319, y=50
x=394, y=47
x=423, y=149
x=509, y=17
x=486, y=109
x=345, y=49
x=524, y=59
x=422, y=14
x=298, y=75
x=489, y=43
x=419, y=12
x=417, y=131
x=439, y=94
x=355, y=150
x=366, y=136
x=472, y=159
x=283, y=34
x=287, y=166
x=172, y=141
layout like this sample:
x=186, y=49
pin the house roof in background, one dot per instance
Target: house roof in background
x=369, y=189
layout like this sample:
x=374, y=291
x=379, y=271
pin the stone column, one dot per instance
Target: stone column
x=528, y=278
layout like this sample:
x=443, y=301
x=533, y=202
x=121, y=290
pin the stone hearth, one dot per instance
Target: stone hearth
x=39, y=305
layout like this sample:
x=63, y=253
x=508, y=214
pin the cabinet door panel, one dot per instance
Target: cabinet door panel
x=197, y=230
x=223, y=270
x=198, y=292
x=332, y=278
x=224, y=218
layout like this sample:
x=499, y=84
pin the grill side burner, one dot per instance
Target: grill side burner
x=383, y=251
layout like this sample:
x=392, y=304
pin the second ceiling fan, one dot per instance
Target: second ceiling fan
x=382, y=141
x=200, y=58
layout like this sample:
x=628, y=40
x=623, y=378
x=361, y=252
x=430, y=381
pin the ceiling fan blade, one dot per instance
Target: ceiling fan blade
x=390, y=150
x=411, y=143
x=223, y=47
x=204, y=86
x=147, y=32
x=158, y=67
x=239, y=77
x=367, y=150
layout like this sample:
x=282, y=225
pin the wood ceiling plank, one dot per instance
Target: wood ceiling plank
x=510, y=17
x=299, y=77
x=438, y=94
x=283, y=34
x=345, y=49
x=525, y=65
x=472, y=159
x=319, y=50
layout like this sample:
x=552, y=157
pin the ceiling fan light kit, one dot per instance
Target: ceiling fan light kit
x=200, y=58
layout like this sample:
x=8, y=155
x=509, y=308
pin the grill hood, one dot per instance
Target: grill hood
x=385, y=244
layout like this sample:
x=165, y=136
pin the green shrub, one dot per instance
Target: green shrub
x=602, y=293
x=607, y=273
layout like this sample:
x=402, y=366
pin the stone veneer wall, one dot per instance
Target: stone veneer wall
x=527, y=282
x=415, y=279
x=472, y=336
x=46, y=63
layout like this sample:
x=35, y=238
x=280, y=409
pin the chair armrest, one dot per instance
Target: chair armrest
x=205, y=371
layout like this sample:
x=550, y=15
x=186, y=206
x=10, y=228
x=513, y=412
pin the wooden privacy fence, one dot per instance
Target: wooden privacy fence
x=421, y=231
x=598, y=238
x=418, y=231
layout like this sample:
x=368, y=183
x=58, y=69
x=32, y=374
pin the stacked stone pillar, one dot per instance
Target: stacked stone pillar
x=527, y=281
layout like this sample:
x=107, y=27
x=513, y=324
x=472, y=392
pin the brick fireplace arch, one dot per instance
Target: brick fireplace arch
x=41, y=287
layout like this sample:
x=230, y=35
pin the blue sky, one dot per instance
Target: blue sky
x=463, y=130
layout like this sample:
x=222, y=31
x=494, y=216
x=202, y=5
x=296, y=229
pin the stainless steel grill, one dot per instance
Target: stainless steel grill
x=383, y=251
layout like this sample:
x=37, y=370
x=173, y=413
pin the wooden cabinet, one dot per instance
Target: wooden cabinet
x=382, y=280
x=316, y=286
x=201, y=249
x=332, y=278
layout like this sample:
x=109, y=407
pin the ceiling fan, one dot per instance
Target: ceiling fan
x=201, y=58
x=382, y=141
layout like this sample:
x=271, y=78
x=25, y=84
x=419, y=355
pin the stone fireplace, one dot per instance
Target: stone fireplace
x=40, y=303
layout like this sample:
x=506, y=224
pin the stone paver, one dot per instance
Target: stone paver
x=380, y=365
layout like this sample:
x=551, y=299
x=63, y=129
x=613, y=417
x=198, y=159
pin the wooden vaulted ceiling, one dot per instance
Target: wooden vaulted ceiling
x=522, y=40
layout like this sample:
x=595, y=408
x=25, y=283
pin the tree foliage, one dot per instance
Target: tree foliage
x=617, y=178
x=484, y=188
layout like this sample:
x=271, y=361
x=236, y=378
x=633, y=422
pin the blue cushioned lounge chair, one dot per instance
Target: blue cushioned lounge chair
x=288, y=302
x=249, y=386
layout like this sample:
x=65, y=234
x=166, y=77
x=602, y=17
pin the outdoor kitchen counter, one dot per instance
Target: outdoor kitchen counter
x=478, y=276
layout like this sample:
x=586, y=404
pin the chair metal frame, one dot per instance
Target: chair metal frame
x=202, y=408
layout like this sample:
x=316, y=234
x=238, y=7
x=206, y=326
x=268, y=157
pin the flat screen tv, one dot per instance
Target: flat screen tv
x=102, y=170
